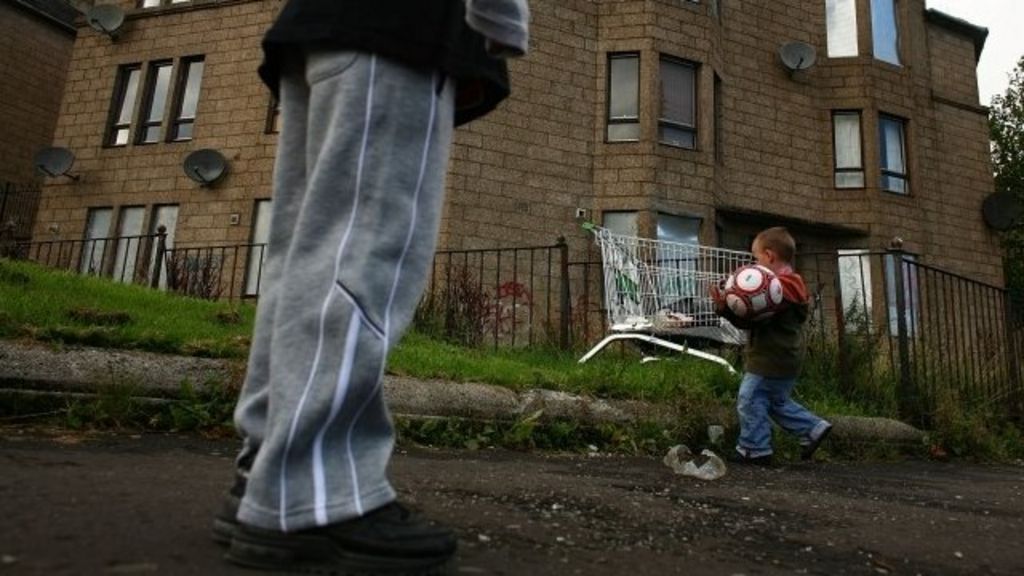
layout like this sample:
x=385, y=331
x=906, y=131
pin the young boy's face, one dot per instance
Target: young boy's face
x=765, y=256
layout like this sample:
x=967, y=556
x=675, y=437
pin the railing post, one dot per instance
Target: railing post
x=3, y=201
x=904, y=393
x=1013, y=358
x=566, y=302
x=158, y=260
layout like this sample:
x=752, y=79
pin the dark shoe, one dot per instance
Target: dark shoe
x=225, y=522
x=812, y=447
x=743, y=459
x=388, y=541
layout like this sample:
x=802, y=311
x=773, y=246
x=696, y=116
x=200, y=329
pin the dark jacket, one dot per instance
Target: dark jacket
x=775, y=346
x=422, y=33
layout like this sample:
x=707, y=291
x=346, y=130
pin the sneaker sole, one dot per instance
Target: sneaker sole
x=223, y=531
x=305, y=555
x=808, y=453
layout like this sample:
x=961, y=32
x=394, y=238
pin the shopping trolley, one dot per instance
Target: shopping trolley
x=656, y=289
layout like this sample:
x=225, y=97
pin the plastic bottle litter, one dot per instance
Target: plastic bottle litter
x=715, y=434
x=682, y=461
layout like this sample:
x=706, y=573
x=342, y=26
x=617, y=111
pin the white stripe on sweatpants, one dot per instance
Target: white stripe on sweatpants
x=394, y=288
x=327, y=300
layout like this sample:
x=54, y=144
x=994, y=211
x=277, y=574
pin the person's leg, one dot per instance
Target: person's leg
x=376, y=152
x=289, y=185
x=755, y=440
x=793, y=417
x=288, y=188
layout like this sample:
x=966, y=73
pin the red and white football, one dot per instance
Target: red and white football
x=753, y=292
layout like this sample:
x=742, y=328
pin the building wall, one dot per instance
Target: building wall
x=519, y=175
x=34, y=56
x=231, y=117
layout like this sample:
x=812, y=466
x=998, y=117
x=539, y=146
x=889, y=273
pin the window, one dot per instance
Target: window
x=155, y=3
x=911, y=294
x=884, y=31
x=855, y=288
x=258, y=248
x=158, y=80
x=94, y=242
x=186, y=99
x=676, y=124
x=125, y=90
x=625, y=223
x=129, y=238
x=841, y=22
x=274, y=116
x=892, y=148
x=846, y=142
x=623, y=97
x=153, y=99
x=681, y=282
x=166, y=216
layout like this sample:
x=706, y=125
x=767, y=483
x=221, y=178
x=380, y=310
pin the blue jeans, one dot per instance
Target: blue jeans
x=761, y=398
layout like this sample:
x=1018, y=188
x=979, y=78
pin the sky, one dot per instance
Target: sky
x=1005, y=44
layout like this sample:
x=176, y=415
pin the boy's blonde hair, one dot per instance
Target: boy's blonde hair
x=778, y=240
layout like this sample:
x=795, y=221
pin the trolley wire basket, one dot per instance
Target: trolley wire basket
x=656, y=289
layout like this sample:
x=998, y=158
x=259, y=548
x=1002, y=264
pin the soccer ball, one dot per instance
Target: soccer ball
x=753, y=292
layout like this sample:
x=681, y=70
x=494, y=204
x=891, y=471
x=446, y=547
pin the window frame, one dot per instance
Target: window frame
x=176, y=121
x=143, y=123
x=836, y=169
x=910, y=263
x=875, y=39
x=141, y=4
x=88, y=263
x=253, y=266
x=884, y=172
x=831, y=26
x=273, y=124
x=117, y=103
x=609, y=120
x=124, y=268
x=694, y=68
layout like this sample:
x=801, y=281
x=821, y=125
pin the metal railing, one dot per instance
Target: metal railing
x=502, y=296
x=18, y=206
x=926, y=335
x=934, y=336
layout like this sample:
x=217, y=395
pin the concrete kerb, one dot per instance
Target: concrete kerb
x=36, y=368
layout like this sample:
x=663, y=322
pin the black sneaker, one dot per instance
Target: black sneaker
x=225, y=522
x=812, y=447
x=388, y=541
x=742, y=459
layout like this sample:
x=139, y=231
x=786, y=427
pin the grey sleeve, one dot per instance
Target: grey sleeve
x=504, y=23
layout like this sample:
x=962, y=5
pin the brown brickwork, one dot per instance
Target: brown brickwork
x=34, y=56
x=518, y=176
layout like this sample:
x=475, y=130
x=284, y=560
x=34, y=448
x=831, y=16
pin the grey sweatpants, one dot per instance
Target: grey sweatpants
x=358, y=194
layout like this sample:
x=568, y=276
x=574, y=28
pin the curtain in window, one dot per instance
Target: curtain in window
x=841, y=21
x=892, y=154
x=884, y=31
x=849, y=173
x=677, y=92
x=624, y=98
x=847, y=140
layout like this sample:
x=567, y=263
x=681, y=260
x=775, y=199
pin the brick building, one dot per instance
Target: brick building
x=672, y=119
x=36, y=39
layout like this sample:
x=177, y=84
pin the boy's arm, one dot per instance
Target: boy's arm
x=504, y=23
x=722, y=310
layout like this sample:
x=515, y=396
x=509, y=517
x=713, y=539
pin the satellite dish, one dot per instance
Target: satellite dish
x=205, y=166
x=1001, y=210
x=105, y=18
x=797, y=56
x=54, y=162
